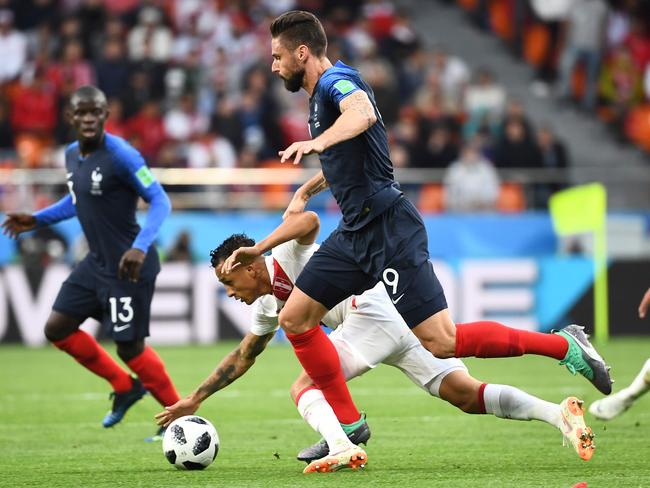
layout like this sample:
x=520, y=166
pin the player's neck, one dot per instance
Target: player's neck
x=89, y=146
x=313, y=72
x=265, y=279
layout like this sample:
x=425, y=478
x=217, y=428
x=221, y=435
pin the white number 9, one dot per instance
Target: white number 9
x=391, y=278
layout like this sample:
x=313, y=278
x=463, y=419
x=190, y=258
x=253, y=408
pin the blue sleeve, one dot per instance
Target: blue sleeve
x=337, y=86
x=135, y=172
x=61, y=210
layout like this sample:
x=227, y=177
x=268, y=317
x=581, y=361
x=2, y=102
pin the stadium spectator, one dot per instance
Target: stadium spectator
x=181, y=249
x=6, y=131
x=585, y=39
x=516, y=148
x=620, y=87
x=471, y=183
x=116, y=124
x=34, y=106
x=13, y=48
x=112, y=69
x=150, y=39
x=183, y=122
x=485, y=101
x=147, y=126
x=72, y=71
x=441, y=148
x=452, y=72
x=210, y=150
x=554, y=155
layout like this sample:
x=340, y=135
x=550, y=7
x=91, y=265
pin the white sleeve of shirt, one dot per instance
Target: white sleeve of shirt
x=265, y=317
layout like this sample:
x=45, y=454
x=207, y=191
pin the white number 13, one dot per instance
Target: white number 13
x=126, y=315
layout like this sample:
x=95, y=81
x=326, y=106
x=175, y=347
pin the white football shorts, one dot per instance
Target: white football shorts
x=373, y=332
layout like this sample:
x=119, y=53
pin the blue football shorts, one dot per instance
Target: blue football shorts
x=122, y=307
x=393, y=249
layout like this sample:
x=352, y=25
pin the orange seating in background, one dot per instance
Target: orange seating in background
x=30, y=149
x=511, y=198
x=501, y=18
x=432, y=198
x=536, y=43
x=637, y=126
x=275, y=196
x=468, y=4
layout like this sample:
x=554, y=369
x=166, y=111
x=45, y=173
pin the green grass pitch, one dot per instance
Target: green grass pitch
x=51, y=434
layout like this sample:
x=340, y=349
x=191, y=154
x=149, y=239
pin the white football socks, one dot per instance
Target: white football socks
x=319, y=415
x=508, y=402
x=639, y=385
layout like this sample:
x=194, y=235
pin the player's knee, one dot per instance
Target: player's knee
x=129, y=350
x=56, y=330
x=292, y=324
x=440, y=348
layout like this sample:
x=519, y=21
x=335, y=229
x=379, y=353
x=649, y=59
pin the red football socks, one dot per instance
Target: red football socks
x=481, y=398
x=151, y=371
x=320, y=360
x=87, y=351
x=494, y=340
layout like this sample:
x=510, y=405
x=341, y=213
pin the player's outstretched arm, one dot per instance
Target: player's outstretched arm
x=311, y=187
x=303, y=227
x=16, y=223
x=357, y=116
x=233, y=366
x=645, y=302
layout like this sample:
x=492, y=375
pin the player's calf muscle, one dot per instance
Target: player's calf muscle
x=461, y=390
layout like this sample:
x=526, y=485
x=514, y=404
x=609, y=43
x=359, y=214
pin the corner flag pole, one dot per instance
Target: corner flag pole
x=584, y=209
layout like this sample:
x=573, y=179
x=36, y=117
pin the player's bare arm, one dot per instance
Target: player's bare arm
x=16, y=223
x=311, y=187
x=645, y=302
x=233, y=366
x=357, y=116
x=303, y=227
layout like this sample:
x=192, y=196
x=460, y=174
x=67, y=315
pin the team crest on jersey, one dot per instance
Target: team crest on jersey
x=96, y=179
x=282, y=285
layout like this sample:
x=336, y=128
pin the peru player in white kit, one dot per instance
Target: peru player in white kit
x=367, y=331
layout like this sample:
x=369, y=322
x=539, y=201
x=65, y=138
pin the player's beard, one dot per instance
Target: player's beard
x=294, y=82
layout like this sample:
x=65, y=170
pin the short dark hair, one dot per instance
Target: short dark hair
x=88, y=92
x=227, y=247
x=298, y=27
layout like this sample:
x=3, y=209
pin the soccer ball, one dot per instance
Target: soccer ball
x=191, y=442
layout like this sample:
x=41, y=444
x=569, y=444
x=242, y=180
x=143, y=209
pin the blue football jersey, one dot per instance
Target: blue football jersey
x=105, y=187
x=359, y=171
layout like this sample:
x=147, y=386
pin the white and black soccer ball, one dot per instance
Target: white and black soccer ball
x=190, y=442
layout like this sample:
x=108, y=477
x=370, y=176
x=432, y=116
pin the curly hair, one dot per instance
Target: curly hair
x=227, y=247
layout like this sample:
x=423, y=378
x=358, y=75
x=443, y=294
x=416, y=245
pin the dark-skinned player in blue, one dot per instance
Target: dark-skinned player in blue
x=114, y=283
x=381, y=237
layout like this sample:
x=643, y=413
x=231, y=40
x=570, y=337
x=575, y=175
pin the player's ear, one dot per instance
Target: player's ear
x=303, y=53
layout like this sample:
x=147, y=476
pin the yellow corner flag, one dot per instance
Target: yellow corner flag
x=584, y=209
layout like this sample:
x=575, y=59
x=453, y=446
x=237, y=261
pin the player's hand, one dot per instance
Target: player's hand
x=645, y=302
x=184, y=406
x=296, y=206
x=130, y=265
x=242, y=256
x=15, y=223
x=300, y=148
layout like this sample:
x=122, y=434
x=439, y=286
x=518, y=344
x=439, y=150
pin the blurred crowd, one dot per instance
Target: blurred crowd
x=593, y=55
x=189, y=84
